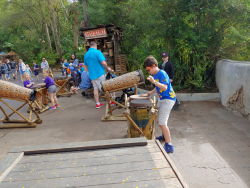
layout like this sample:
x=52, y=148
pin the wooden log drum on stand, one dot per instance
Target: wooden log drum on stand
x=62, y=82
x=15, y=92
x=122, y=82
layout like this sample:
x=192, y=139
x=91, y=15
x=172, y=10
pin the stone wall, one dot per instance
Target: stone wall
x=233, y=81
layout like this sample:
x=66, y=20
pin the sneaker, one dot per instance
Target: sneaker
x=52, y=108
x=168, y=148
x=113, y=103
x=83, y=93
x=98, y=106
x=57, y=105
x=160, y=138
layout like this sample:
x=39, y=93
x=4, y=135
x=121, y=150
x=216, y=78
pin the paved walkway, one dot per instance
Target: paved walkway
x=212, y=146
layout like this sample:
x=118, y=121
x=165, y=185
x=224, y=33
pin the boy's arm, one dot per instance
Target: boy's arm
x=163, y=87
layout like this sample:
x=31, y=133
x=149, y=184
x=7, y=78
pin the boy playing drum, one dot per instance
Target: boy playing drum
x=166, y=100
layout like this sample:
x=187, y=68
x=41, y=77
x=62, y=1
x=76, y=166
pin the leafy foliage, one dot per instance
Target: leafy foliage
x=195, y=32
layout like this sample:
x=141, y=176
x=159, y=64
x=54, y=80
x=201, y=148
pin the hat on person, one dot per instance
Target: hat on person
x=43, y=58
x=80, y=64
x=164, y=54
x=66, y=64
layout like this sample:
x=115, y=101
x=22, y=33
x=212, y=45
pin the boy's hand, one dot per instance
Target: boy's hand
x=151, y=79
x=144, y=95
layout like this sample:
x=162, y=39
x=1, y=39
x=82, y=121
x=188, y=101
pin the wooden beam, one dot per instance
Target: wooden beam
x=80, y=146
x=8, y=162
x=177, y=173
x=17, y=125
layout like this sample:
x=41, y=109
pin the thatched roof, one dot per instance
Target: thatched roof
x=11, y=53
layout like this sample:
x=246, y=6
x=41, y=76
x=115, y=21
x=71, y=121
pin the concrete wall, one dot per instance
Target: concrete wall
x=233, y=81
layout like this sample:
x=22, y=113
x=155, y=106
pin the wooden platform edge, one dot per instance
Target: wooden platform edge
x=172, y=165
x=91, y=145
x=8, y=162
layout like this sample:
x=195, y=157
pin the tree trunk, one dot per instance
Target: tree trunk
x=47, y=36
x=76, y=23
x=54, y=30
x=86, y=16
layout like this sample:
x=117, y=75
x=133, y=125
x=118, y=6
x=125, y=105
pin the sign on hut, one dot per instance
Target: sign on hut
x=107, y=37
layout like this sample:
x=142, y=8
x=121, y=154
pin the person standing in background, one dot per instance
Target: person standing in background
x=9, y=69
x=168, y=67
x=73, y=70
x=44, y=64
x=36, y=71
x=5, y=70
x=21, y=68
x=95, y=63
x=14, y=69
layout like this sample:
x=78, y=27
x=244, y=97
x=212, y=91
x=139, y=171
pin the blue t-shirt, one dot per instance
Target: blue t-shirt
x=71, y=68
x=93, y=59
x=86, y=82
x=163, y=78
x=48, y=81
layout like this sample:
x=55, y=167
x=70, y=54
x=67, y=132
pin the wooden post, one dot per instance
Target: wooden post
x=135, y=89
x=108, y=101
x=133, y=123
x=6, y=116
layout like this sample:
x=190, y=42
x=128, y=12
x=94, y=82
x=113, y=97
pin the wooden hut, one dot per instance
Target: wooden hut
x=12, y=55
x=107, y=37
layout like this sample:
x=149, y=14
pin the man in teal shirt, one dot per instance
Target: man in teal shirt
x=95, y=62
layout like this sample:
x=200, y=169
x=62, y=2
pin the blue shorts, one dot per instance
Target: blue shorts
x=36, y=73
x=22, y=72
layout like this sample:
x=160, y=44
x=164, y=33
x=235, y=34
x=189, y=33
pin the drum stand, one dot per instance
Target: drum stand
x=153, y=112
x=109, y=111
x=64, y=89
x=43, y=100
x=19, y=123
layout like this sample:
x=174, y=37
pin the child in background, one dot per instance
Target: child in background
x=81, y=65
x=49, y=83
x=28, y=70
x=27, y=83
x=36, y=71
x=72, y=87
x=65, y=67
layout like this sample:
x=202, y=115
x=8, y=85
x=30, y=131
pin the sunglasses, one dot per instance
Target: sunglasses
x=149, y=68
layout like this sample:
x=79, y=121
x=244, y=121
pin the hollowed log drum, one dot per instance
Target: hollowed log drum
x=123, y=81
x=15, y=92
x=60, y=80
x=140, y=114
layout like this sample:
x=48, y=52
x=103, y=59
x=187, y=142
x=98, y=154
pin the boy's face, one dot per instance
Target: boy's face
x=150, y=70
x=165, y=59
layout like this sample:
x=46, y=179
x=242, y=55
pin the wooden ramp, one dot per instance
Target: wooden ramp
x=123, y=163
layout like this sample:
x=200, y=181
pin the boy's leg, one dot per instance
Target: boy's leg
x=166, y=133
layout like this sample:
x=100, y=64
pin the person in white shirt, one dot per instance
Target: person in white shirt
x=44, y=64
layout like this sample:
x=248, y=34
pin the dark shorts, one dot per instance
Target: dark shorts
x=36, y=73
x=52, y=89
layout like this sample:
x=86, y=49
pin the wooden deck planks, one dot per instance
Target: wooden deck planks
x=73, y=163
x=123, y=163
x=8, y=162
x=86, y=171
x=79, y=146
x=91, y=180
